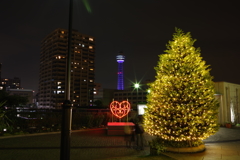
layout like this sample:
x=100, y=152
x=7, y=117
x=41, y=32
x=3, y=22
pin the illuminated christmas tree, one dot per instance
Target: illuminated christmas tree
x=181, y=104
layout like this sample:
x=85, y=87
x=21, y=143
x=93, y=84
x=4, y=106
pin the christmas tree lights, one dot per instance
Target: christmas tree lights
x=181, y=103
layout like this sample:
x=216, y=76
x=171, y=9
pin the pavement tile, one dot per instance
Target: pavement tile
x=229, y=152
x=230, y=148
x=190, y=156
x=211, y=158
x=32, y=154
x=94, y=144
x=213, y=155
x=213, y=146
x=230, y=157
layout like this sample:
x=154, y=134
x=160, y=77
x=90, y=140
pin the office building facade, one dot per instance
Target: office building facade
x=53, y=59
x=11, y=83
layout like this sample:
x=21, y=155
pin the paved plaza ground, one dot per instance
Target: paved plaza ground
x=94, y=144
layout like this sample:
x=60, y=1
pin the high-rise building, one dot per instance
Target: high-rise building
x=120, y=59
x=53, y=59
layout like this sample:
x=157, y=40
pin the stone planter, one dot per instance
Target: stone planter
x=200, y=148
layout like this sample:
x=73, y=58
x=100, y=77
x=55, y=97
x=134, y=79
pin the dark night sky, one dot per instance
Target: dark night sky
x=140, y=28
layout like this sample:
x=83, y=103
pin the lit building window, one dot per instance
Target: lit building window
x=94, y=92
x=90, y=80
x=62, y=32
x=90, y=47
x=58, y=83
x=91, y=69
x=90, y=39
x=58, y=92
x=83, y=45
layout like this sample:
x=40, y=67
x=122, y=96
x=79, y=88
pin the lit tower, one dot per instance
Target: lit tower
x=120, y=59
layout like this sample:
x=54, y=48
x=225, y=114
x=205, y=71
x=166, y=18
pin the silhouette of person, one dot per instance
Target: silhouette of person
x=139, y=136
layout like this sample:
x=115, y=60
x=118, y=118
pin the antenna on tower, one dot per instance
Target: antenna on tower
x=120, y=59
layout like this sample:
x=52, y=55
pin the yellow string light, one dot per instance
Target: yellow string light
x=181, y=101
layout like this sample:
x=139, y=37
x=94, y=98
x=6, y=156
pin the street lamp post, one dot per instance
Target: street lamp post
x=137, y=86
x=67, y=106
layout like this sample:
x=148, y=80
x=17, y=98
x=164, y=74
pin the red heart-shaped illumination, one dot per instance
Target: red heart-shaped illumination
x=120, y=109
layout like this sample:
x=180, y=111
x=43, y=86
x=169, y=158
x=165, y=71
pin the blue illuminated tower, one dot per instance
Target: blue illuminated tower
x=120, y=59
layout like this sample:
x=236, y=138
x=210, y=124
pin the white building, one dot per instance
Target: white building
x=228, y=95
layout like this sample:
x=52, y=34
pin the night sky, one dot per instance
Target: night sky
x=139, y=28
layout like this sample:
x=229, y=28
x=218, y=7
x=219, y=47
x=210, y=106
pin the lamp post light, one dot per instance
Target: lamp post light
x=136, y=86
x=67, y=105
